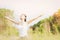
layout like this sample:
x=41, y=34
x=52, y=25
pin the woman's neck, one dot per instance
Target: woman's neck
x=23, y=21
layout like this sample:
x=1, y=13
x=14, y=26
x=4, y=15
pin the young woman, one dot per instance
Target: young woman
x=23, y=25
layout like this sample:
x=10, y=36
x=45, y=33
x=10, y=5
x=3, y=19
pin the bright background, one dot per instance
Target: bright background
x=32, y=8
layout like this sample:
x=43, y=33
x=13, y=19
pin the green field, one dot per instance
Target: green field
x=32, y=36
x=46, y=29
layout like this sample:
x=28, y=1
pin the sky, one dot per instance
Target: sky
x=32, y=8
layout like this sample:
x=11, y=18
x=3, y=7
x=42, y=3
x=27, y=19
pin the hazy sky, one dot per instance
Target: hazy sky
x=32, y=8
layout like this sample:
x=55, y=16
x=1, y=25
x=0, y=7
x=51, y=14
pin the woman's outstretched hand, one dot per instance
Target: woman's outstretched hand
x=8, y=17
x=34, y=18
x=7, y=14
x=41, y=15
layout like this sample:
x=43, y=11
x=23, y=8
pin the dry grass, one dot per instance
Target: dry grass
x=32, y=36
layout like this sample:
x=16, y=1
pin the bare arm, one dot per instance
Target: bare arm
x=8, y=18
x=33, y=19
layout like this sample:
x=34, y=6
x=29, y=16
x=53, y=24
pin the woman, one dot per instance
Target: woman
x=23, y=25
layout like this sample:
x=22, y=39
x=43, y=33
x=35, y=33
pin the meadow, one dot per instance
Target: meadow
x=46, y=29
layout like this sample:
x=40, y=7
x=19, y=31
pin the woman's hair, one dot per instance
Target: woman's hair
x=25, y=18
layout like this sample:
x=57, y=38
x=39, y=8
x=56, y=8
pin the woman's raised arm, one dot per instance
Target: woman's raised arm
x=8, y=18
x=33, y=19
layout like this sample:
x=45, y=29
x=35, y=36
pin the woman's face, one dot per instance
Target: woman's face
x=22, y=17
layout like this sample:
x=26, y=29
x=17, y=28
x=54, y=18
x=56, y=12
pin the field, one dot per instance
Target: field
x=32, y=36
x=51, y=24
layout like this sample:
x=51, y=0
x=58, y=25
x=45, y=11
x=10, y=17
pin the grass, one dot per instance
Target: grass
x=33, y=36
x=45, y=36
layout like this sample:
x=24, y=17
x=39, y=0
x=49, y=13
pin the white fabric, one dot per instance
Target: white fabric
x=23, y=29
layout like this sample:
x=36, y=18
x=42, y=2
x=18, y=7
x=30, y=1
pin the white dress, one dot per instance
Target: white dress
x=23, y=29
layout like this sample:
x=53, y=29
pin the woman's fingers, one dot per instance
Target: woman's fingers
x=41, y=14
